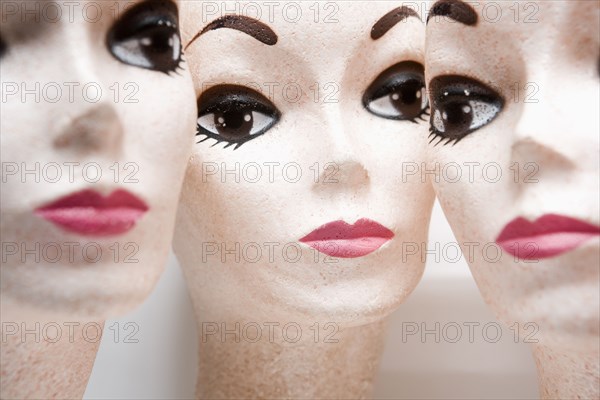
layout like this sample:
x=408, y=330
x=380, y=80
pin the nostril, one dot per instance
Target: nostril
x=534, y=162
x=353, y=173
x=343, y=174
x=530, y=150
x=97, y=128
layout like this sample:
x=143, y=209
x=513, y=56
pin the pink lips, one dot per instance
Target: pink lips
x=340, y=239
x=548, y=236
x=88, y=213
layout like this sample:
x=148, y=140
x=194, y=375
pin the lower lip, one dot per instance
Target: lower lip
x=88, y=213
x=548, y=236
x=340, y=239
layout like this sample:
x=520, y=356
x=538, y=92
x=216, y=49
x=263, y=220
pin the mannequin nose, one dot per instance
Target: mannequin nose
x=343, y=178
x=344, y=170
x=348, y=173
x=538, y=139
x=538, y=154
x=97, y=129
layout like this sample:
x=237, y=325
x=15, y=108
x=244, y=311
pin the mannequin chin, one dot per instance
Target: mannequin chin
x=97, y=126
x=311, y=228
x=541, y=216
x=80, y=236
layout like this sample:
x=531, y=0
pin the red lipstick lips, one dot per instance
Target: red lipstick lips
x=548, y=236
x=340, y=239
x=89, y=213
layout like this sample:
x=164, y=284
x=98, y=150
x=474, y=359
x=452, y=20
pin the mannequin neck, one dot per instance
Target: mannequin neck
x=567, y=374
x=48, y=359
x=320, y=361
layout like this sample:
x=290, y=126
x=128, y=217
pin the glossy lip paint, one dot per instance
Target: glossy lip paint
x=340, y=239
x=89, y=213
x=548, y=236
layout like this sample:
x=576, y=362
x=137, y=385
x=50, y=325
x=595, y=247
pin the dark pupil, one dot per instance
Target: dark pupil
x=158, y=44
x=234, y=124
x=161, y=41
x=458, y=116
x=404, y=98
x=2, y=47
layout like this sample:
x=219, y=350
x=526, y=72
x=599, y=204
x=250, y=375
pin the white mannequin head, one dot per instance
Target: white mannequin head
x=312, y=154
x=107, y=123
x=516, y=89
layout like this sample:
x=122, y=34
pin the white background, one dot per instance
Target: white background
x=162, y=365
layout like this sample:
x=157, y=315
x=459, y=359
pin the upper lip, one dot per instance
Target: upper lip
x=340, y=239
x=88, y=212
x=521, y=228
x=547, y=236
x=340, y=230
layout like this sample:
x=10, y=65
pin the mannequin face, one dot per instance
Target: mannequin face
x=320, y=233
x=542, y=214
x=90, y=232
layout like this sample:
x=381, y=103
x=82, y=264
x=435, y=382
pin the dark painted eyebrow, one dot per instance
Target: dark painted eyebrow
x=247, y=25
x=457, y=10
x=389, y=20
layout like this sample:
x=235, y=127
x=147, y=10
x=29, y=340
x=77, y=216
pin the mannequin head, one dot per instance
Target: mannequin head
x=499, y=83
x=99, y=105
x=316, y=113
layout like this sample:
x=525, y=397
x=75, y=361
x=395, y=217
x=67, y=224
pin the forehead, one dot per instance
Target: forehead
x=530, y=23
x=512, y=37
x=337, y=26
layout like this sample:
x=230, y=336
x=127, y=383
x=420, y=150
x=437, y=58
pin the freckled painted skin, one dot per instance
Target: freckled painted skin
x=140, y=144
x=364, y=181
x=550, y=49
x=106, y=132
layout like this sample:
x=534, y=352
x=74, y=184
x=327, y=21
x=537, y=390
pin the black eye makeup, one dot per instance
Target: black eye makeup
x=3, y=47
x=147, y=36
x=398, y=93
x=234, y=114
x=460, y=106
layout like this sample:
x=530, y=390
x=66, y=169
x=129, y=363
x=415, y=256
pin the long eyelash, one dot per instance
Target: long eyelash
x=217, y=138
x=178, y=67
x=433, y=134
x=181, y=59
x=420, y=116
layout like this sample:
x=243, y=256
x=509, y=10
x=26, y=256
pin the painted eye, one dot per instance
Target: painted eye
x=147, y=37
x=3, y=47
x=236, y=122
x=398, y=93
x=459, y=106
x=234, y=114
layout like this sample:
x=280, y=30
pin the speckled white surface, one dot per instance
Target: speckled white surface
x=163, y=364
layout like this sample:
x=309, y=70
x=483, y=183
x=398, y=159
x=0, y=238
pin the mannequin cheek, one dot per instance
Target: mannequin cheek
x=160, y=135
